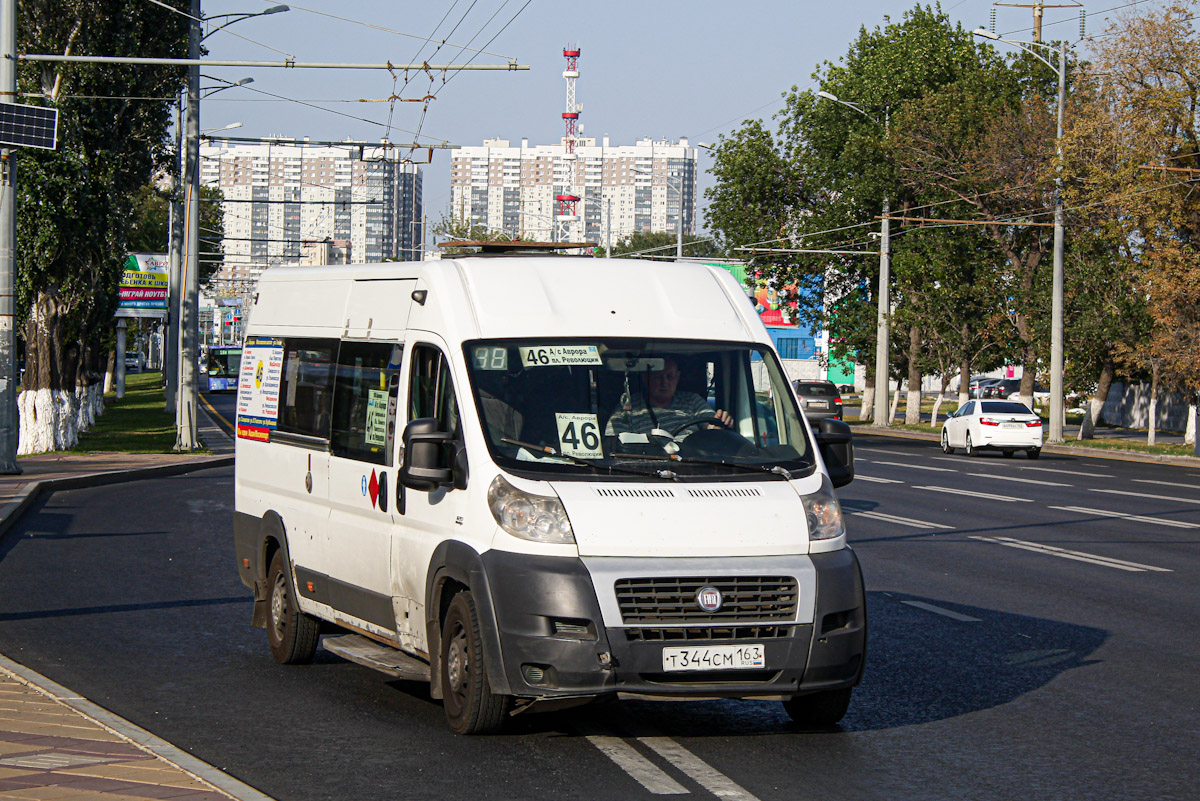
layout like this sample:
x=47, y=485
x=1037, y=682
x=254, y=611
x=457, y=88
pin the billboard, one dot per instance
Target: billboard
x=144, y=285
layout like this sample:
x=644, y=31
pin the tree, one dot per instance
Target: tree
x=76, y=204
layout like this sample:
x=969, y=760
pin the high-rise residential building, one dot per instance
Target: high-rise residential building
x=621, y=189
x=283, y=200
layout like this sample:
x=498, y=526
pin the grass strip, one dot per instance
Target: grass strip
x=135, y=423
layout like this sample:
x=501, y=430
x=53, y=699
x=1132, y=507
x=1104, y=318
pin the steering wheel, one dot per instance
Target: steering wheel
x=703, y=421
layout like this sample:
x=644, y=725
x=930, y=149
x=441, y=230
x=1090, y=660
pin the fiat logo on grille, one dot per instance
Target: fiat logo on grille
x=709, y=599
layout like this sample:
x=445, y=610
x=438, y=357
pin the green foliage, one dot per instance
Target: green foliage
x=76, y=205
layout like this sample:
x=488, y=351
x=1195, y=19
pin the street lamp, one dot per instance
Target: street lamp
x=1056, y=314
x=883, y=330
x=678, y=187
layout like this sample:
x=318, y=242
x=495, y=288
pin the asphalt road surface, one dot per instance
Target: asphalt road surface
x=1032, y=636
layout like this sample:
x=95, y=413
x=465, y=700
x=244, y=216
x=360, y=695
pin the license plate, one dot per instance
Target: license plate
x=716, y=657
x=1012, y=425
x=818, y=404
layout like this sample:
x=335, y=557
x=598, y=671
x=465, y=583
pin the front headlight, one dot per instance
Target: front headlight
x=530, y=517
x=824, y=513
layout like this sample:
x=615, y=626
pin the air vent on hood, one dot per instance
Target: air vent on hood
x=747, y=492
x=634, y=493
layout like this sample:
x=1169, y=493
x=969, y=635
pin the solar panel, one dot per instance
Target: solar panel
x=28, y=126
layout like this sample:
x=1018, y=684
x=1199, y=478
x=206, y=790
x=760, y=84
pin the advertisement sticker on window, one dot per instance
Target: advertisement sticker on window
x=258, y=388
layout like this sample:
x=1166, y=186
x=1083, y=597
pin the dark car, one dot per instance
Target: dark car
x=818, y=399
x=1002, y=388
x=977, y=386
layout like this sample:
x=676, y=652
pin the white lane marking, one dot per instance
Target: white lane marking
x=940, y=611
x=1158, y=521
x=974, y=494
x=1145, y=495
x=860, y=477
x=628, y=759
x=904, y=521
x=1078, y=556
x=1166, y=483
x=881, y=450
x=1022, y=480
x=704, y=774
x=917, y=466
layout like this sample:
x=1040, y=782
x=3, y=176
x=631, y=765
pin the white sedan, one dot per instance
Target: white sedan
x=1003, y=425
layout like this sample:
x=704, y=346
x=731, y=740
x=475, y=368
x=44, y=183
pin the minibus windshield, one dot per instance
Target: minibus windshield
x=637, y=407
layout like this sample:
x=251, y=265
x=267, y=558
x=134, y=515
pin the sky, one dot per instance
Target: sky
x=647, y=69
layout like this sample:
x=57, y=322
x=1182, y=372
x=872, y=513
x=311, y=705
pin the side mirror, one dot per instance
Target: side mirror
x=836, y=444
x=424, y=448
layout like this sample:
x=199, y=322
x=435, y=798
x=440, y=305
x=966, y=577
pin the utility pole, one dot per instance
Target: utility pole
x=1056, y=311
x=170, y=365
x=186, y=397
x=9, y=417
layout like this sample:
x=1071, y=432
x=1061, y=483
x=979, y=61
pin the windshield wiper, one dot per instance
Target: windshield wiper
x=674, y=457
x=557, y=454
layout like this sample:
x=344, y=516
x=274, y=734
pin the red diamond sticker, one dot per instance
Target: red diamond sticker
x=373, y=487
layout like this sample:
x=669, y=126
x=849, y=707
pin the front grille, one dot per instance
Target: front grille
x=740, y=677
x=671, y=600
x=708, y=634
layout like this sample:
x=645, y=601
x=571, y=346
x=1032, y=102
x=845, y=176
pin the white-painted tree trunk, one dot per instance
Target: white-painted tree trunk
x=936, y=405
x=1150, y=434
x=1088, y=429
x=49, y=421
x=90, y=403
x=867, y=408
x=1189, y=435
x=895, y=405
x=912, y=407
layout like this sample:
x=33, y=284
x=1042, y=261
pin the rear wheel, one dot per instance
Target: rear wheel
x=1007, y=454
x=1033, y=453
x=819, y=710
x=471, y=706
x=970, y=449
x=946, y=442
x=291, y=634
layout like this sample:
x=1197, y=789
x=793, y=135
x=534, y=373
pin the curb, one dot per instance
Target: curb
x=1080, y=450
x=136, y=735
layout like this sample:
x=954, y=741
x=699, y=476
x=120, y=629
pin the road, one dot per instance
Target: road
x=1032, y=636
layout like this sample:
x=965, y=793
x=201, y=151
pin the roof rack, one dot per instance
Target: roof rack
x=505, y=246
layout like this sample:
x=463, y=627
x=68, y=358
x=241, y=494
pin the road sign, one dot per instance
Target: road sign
x=28, y=126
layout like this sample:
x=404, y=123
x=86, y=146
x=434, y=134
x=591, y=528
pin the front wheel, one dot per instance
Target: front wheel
x=291, y=634
x=471, y=706
x=819, y=710
x=946, y=442
x=1033, y=453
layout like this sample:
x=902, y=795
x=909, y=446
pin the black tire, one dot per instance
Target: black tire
x=1033, y=453
x=471, y=706
x=970, y=449
x=819, y=710
x=946, y=442
x=291, y=634
x=1007, y=454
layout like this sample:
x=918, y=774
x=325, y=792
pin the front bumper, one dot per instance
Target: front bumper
x=557, y=642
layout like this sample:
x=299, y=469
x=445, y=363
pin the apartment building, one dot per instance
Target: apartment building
x=283, y=200
x=511, y=189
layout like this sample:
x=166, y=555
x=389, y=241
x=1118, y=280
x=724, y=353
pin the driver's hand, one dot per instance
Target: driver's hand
x=724, y=416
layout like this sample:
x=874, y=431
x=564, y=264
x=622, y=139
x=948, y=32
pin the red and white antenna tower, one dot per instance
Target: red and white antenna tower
x=567, y=200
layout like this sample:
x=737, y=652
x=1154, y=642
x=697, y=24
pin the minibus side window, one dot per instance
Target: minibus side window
x=306, y=389
x=364, y=402
x=431, y=392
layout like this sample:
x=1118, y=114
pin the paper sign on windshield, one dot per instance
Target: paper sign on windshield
x=579, y=435
x=559, y=355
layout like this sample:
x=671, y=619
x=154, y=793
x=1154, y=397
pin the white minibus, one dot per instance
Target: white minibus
x=537, y=481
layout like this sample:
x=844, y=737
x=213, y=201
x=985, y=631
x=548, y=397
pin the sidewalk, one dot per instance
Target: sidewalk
x=57, y=746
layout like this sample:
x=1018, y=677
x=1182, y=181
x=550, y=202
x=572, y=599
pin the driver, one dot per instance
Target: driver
x=668, y=409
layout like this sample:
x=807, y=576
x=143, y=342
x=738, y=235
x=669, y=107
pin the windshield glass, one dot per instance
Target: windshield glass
x=625, y=407
x=224, y=362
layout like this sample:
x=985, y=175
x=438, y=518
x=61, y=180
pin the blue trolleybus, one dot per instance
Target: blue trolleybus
x=223, y=366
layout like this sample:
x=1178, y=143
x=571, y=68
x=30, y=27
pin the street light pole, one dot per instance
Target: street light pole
x=883, y=330
x=9, y=416
x=186, y=395
x=678, y=187
x=1055, y=434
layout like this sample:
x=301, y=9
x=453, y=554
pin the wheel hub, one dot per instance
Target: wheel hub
x=278, y=605
x=456, y=662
